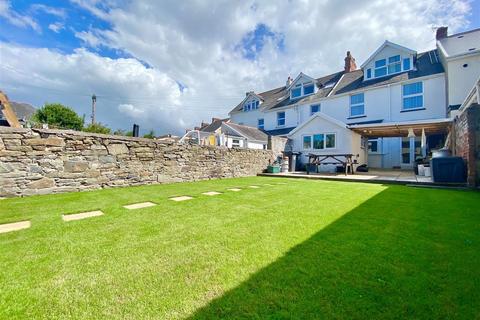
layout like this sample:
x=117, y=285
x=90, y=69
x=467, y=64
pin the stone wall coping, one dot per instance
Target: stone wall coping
x=84, y=134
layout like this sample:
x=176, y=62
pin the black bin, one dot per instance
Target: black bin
x=448, y=169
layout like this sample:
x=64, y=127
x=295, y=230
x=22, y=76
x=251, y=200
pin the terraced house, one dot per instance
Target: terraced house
x=378, y=112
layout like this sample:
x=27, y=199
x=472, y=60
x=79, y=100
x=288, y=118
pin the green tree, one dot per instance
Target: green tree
x=97, y=128
x=150, y=135
x=57, y=115
x=122, y=132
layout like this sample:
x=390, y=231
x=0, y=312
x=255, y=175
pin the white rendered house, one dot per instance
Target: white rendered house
x=396, y=87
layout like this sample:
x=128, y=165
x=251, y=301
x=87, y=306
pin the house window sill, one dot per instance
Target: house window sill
x=410, y=110
x=356, y=117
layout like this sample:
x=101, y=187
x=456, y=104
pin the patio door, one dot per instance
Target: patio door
x=410, y=150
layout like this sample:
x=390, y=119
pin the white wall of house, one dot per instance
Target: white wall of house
x=256, y=145
x=385, y=53
x=462, y=73
x=248, y=118
x=383, y=103
x=346, y=141
x=236, y=142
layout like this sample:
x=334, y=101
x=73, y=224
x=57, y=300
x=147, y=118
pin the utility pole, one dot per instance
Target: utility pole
x=94, y=101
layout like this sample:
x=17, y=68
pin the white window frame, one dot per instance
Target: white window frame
x=399, y=62
x=413, y=95
x=325, y=141
x=313, y=105
x=284, y=118
x=381, y=67
x=378, y=145
x=387, y=66
x=251, y=105
x=311, y=141
x=258, y=123
x=302, y=89
x=234, y=144
x=356, y=105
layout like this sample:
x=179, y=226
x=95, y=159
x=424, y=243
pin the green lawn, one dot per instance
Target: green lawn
x=306, y=249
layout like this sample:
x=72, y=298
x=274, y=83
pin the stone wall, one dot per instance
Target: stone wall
x=466, y=137
x=34, y=161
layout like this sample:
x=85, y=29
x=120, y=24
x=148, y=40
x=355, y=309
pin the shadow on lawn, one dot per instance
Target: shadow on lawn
x=391, y=257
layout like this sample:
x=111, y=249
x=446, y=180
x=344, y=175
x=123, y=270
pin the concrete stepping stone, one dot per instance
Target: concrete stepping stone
x=254, y=187
x=8, y=227
x=82, y=215
x=181, y=198
x=211, y=193
x=234, y=189
x=139, y=205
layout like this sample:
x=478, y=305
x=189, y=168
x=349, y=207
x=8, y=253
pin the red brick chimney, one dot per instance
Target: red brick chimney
x=442, y=32
x=350, y=64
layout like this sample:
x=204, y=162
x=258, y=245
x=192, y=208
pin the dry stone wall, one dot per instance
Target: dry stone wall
x=34, y=161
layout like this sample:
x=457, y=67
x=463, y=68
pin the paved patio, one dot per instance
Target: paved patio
x=374, y=175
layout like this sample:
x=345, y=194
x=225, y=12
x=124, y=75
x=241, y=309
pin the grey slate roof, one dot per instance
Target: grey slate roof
x=424, y=67
x=279, y=97
x=212, y=127
x=427, y=63
x=22, y=110
x=279, y=132
x=250, y=133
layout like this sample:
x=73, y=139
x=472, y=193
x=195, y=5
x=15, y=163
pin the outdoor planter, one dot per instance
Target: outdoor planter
x=273, y=169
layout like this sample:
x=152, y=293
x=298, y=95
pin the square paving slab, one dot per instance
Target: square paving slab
x=234, y=189
x=181, y=198
x=82, y=215
x=7, y=227
x=140, y=205
x=211, y=193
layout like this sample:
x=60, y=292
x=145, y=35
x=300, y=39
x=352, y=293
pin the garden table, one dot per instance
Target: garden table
x=346, y=162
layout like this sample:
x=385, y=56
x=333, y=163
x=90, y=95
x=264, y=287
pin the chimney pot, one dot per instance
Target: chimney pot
x=442, y=32
x=350, y=64
x=289, y=81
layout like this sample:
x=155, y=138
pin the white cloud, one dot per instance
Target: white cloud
x=15, y=18
x=56, y=27
x=195, y=44
x=58, y=12
x=88, y=38
x=42, y=75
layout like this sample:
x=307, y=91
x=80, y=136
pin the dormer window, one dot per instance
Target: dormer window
x=302, y=89
x=297, y=91
x=380, y=68
x=388, y=66
x=308, y=88
x=251, y=105
x=394, y=65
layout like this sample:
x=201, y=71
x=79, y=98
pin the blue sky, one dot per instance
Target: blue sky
x=170, y=64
